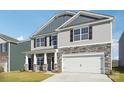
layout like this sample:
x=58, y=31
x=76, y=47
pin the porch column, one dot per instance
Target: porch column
x=45, y=62
x=26, y=62
x=55, y=62
x=35, y=59
x=35, y=63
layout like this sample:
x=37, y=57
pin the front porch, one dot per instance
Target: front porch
x=41, y=60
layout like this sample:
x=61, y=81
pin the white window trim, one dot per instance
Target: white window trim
x=76, y=35
x=85, y=33
x=40, y=41
x=81, y=33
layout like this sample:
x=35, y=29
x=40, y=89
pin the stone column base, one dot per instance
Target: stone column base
x=55, y=67
x=26, y=67
x=45, y=66
x=35, y=68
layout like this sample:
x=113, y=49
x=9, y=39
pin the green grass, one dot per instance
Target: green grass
x=117, y=74
x=23, y=76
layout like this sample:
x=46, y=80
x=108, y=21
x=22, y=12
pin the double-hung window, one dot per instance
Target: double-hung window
x=54, y=40
x=3, y=47
x=40, y=42
x=40, y=60
x=84, y=33
x=0, y=47
x=76, y=34
x=81, y=34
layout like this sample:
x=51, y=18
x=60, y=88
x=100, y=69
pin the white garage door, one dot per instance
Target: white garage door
x=90, y=64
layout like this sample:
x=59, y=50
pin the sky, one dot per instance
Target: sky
x=22, y=24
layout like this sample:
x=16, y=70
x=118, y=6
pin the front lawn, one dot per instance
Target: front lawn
x=23, y=76
x=117, y=74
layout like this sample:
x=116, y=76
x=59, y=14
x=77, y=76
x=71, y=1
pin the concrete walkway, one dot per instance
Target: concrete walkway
x=78, y=77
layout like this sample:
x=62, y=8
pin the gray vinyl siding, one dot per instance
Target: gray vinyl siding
x=17, y=56
x=80, y=20
x=54, y=24
x=121, y=50
x=100, y=34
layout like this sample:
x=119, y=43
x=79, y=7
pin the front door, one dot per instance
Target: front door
x=50, y=62
x=40, y=61
x=30, y=64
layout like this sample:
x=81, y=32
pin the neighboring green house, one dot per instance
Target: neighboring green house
x=17, y=58
x=11, y=53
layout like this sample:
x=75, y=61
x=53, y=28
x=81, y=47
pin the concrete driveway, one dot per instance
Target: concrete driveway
x=78, y=77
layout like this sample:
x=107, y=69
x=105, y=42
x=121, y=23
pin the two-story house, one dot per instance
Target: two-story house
x=12, y=57
x=72, y=42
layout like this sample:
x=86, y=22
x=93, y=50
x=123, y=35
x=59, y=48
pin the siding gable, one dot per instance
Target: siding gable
x=81, y=20
x=54, y=24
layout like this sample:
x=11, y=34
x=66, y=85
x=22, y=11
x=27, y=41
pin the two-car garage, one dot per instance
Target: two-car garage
x=86, y=63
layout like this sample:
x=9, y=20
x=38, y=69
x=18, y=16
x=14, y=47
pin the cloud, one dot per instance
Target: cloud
x=20, y=38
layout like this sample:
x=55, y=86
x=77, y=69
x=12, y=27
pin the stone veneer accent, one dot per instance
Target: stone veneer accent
x=45, y=66
x=55, y=67
x=106, y=48
x=26, y=67
x=35, y=68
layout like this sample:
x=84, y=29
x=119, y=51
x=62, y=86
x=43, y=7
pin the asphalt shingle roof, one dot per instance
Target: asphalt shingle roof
x=9, y=39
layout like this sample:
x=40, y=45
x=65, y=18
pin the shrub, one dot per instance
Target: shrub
x=22, y=70
x=111, y=72
x=1, y=69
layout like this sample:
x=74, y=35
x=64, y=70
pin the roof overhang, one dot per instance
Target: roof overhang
x=9, y=40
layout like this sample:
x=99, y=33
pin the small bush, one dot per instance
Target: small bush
x=111, y=72
x=22, y=70
x=1, y=69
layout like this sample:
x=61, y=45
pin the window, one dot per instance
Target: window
x=0, y=47
x=84, y=33
x=40, y=42
x=81, y=34
x=54, y=40
x=40, y=60
x=3, y=47
x=76, y=34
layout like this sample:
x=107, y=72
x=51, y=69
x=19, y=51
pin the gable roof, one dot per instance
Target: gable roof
x=86, y=14
x=81, y=17
x=57, y=18
x=8, y=39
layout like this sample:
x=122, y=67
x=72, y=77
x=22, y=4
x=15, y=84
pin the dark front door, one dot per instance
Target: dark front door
x=50, y=63
x=40, y=61
x=30, y=64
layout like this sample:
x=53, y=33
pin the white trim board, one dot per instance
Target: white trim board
x=85, y=45
x=83, y=54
